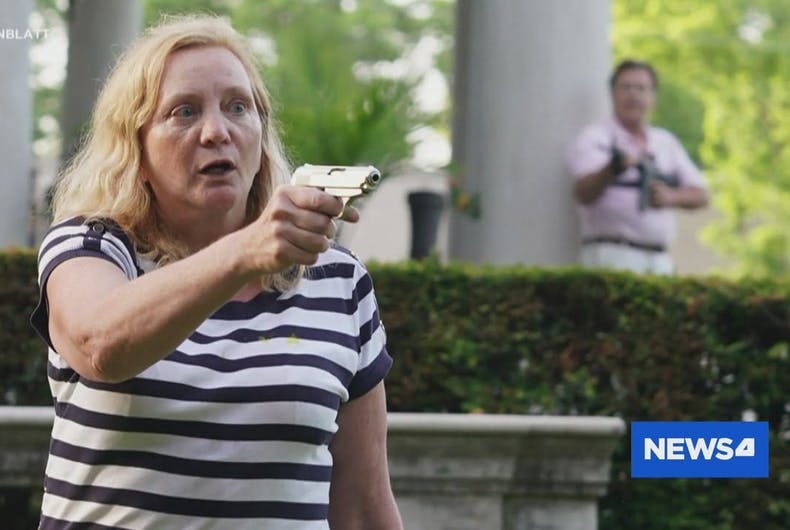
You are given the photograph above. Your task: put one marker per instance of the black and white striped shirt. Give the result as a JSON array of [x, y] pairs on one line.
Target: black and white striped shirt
[[231, 430]]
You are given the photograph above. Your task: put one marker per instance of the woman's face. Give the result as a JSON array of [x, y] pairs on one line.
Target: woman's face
[[202, 146]]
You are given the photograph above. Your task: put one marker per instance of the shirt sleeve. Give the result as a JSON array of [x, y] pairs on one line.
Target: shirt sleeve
[[75, 238], [589, 152], [374, 361]]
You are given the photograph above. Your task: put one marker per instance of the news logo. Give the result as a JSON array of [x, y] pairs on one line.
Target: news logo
[[699, 449]]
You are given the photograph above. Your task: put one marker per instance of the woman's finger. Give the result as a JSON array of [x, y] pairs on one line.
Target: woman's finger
[[350, 214], [331, 230]]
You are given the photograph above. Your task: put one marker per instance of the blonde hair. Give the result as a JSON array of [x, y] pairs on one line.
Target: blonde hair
[[102, 180]]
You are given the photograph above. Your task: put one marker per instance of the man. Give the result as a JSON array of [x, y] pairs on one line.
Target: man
[[629, 176]]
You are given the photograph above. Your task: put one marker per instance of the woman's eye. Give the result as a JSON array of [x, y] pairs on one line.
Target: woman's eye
[[184, 111], [238, 107]]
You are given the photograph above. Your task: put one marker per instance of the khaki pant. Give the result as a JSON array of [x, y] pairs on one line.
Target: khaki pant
[[622, 257]]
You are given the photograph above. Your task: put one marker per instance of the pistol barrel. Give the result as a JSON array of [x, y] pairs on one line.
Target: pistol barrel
[[354, 179]]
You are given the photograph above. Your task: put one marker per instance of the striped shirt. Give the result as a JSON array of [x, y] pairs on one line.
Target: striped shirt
[[230, 430]]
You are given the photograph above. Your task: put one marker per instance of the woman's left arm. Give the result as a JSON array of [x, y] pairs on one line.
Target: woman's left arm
[[360, 497]]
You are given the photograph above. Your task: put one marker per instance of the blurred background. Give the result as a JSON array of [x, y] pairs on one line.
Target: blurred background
[[473, 101]]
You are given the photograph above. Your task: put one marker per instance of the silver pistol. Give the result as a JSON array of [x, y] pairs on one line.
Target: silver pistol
[[345, 182]]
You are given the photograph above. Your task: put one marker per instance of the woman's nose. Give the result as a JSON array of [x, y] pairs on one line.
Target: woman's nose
[[214, 129]]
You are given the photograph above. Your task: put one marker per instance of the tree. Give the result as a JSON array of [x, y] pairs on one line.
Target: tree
[[326, 65], [725, 65], [47, 85]]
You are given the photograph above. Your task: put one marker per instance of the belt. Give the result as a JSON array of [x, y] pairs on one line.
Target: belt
[[615, 240]]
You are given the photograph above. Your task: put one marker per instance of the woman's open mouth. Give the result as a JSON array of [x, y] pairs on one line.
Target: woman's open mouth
[[217, 167]]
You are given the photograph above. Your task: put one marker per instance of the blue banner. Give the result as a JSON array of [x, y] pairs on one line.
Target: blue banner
[[699, 449]]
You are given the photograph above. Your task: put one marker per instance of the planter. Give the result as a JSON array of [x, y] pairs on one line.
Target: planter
[[426, 210], [24, 443], [500, 472], [448, 471]]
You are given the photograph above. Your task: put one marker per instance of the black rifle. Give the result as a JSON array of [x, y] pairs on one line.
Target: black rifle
[[649, 173]]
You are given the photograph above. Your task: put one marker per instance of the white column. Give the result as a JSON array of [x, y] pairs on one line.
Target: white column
[[16, 124], [99, 31], [528, 76]]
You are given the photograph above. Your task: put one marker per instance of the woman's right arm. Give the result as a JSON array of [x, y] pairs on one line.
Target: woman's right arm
[[110, 329]]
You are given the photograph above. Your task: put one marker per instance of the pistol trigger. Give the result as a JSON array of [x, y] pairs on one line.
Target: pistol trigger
[[345, 203]]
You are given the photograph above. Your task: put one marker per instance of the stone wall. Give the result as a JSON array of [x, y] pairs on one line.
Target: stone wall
[[448, 471], [508, 472]]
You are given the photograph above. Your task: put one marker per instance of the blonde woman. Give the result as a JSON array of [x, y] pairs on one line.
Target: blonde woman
[[215, 362]]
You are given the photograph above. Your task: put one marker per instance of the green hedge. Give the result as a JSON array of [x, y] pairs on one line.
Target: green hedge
[[572, 341], [560, 341], [22, 353]]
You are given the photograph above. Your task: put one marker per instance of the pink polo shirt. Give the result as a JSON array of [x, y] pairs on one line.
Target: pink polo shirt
[[616, 212]]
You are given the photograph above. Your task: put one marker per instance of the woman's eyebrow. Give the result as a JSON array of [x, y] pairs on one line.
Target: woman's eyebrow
[[189, 94], [169, 99], [238, 90]]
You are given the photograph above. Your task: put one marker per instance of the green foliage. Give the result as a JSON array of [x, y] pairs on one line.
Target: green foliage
[[730, 60], [154, 10], [680, 111], [330, 113], [22, 354], [579, 342], [46, 99]]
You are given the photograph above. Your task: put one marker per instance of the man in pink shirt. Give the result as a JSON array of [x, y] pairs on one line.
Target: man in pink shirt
[[629, 176]]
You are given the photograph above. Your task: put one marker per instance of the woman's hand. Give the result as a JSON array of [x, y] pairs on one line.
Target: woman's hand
[[296, 226]]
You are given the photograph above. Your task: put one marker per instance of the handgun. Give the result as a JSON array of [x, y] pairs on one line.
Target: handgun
[[648, 172], [345, 182]]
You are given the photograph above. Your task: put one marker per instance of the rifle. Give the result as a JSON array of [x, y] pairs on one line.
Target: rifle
[[648, 173]]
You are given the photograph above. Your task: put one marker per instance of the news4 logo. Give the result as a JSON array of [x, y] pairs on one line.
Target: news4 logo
[[699, 449]]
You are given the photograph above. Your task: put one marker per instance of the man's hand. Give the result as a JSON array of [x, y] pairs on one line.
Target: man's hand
[[620, 162], [590, 187], [662, 196]]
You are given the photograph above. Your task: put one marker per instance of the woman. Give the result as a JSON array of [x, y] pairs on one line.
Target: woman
[[215, 362]]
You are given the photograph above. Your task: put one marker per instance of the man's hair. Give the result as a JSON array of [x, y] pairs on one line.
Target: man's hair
[[103, 179], [631, 64]]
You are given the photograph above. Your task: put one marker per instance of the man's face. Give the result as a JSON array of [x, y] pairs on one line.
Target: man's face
[[634, 96]]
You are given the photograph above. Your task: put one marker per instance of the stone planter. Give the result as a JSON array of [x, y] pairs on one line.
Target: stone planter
[[24, 442], [508, 472], [449, 471]]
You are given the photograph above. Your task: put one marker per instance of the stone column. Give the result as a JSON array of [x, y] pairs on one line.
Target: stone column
[[16, 124], [528, 76], [99, 31]]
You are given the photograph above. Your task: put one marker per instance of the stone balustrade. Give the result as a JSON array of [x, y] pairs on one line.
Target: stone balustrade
[[500, 472], [24, 442], [449, 471]]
